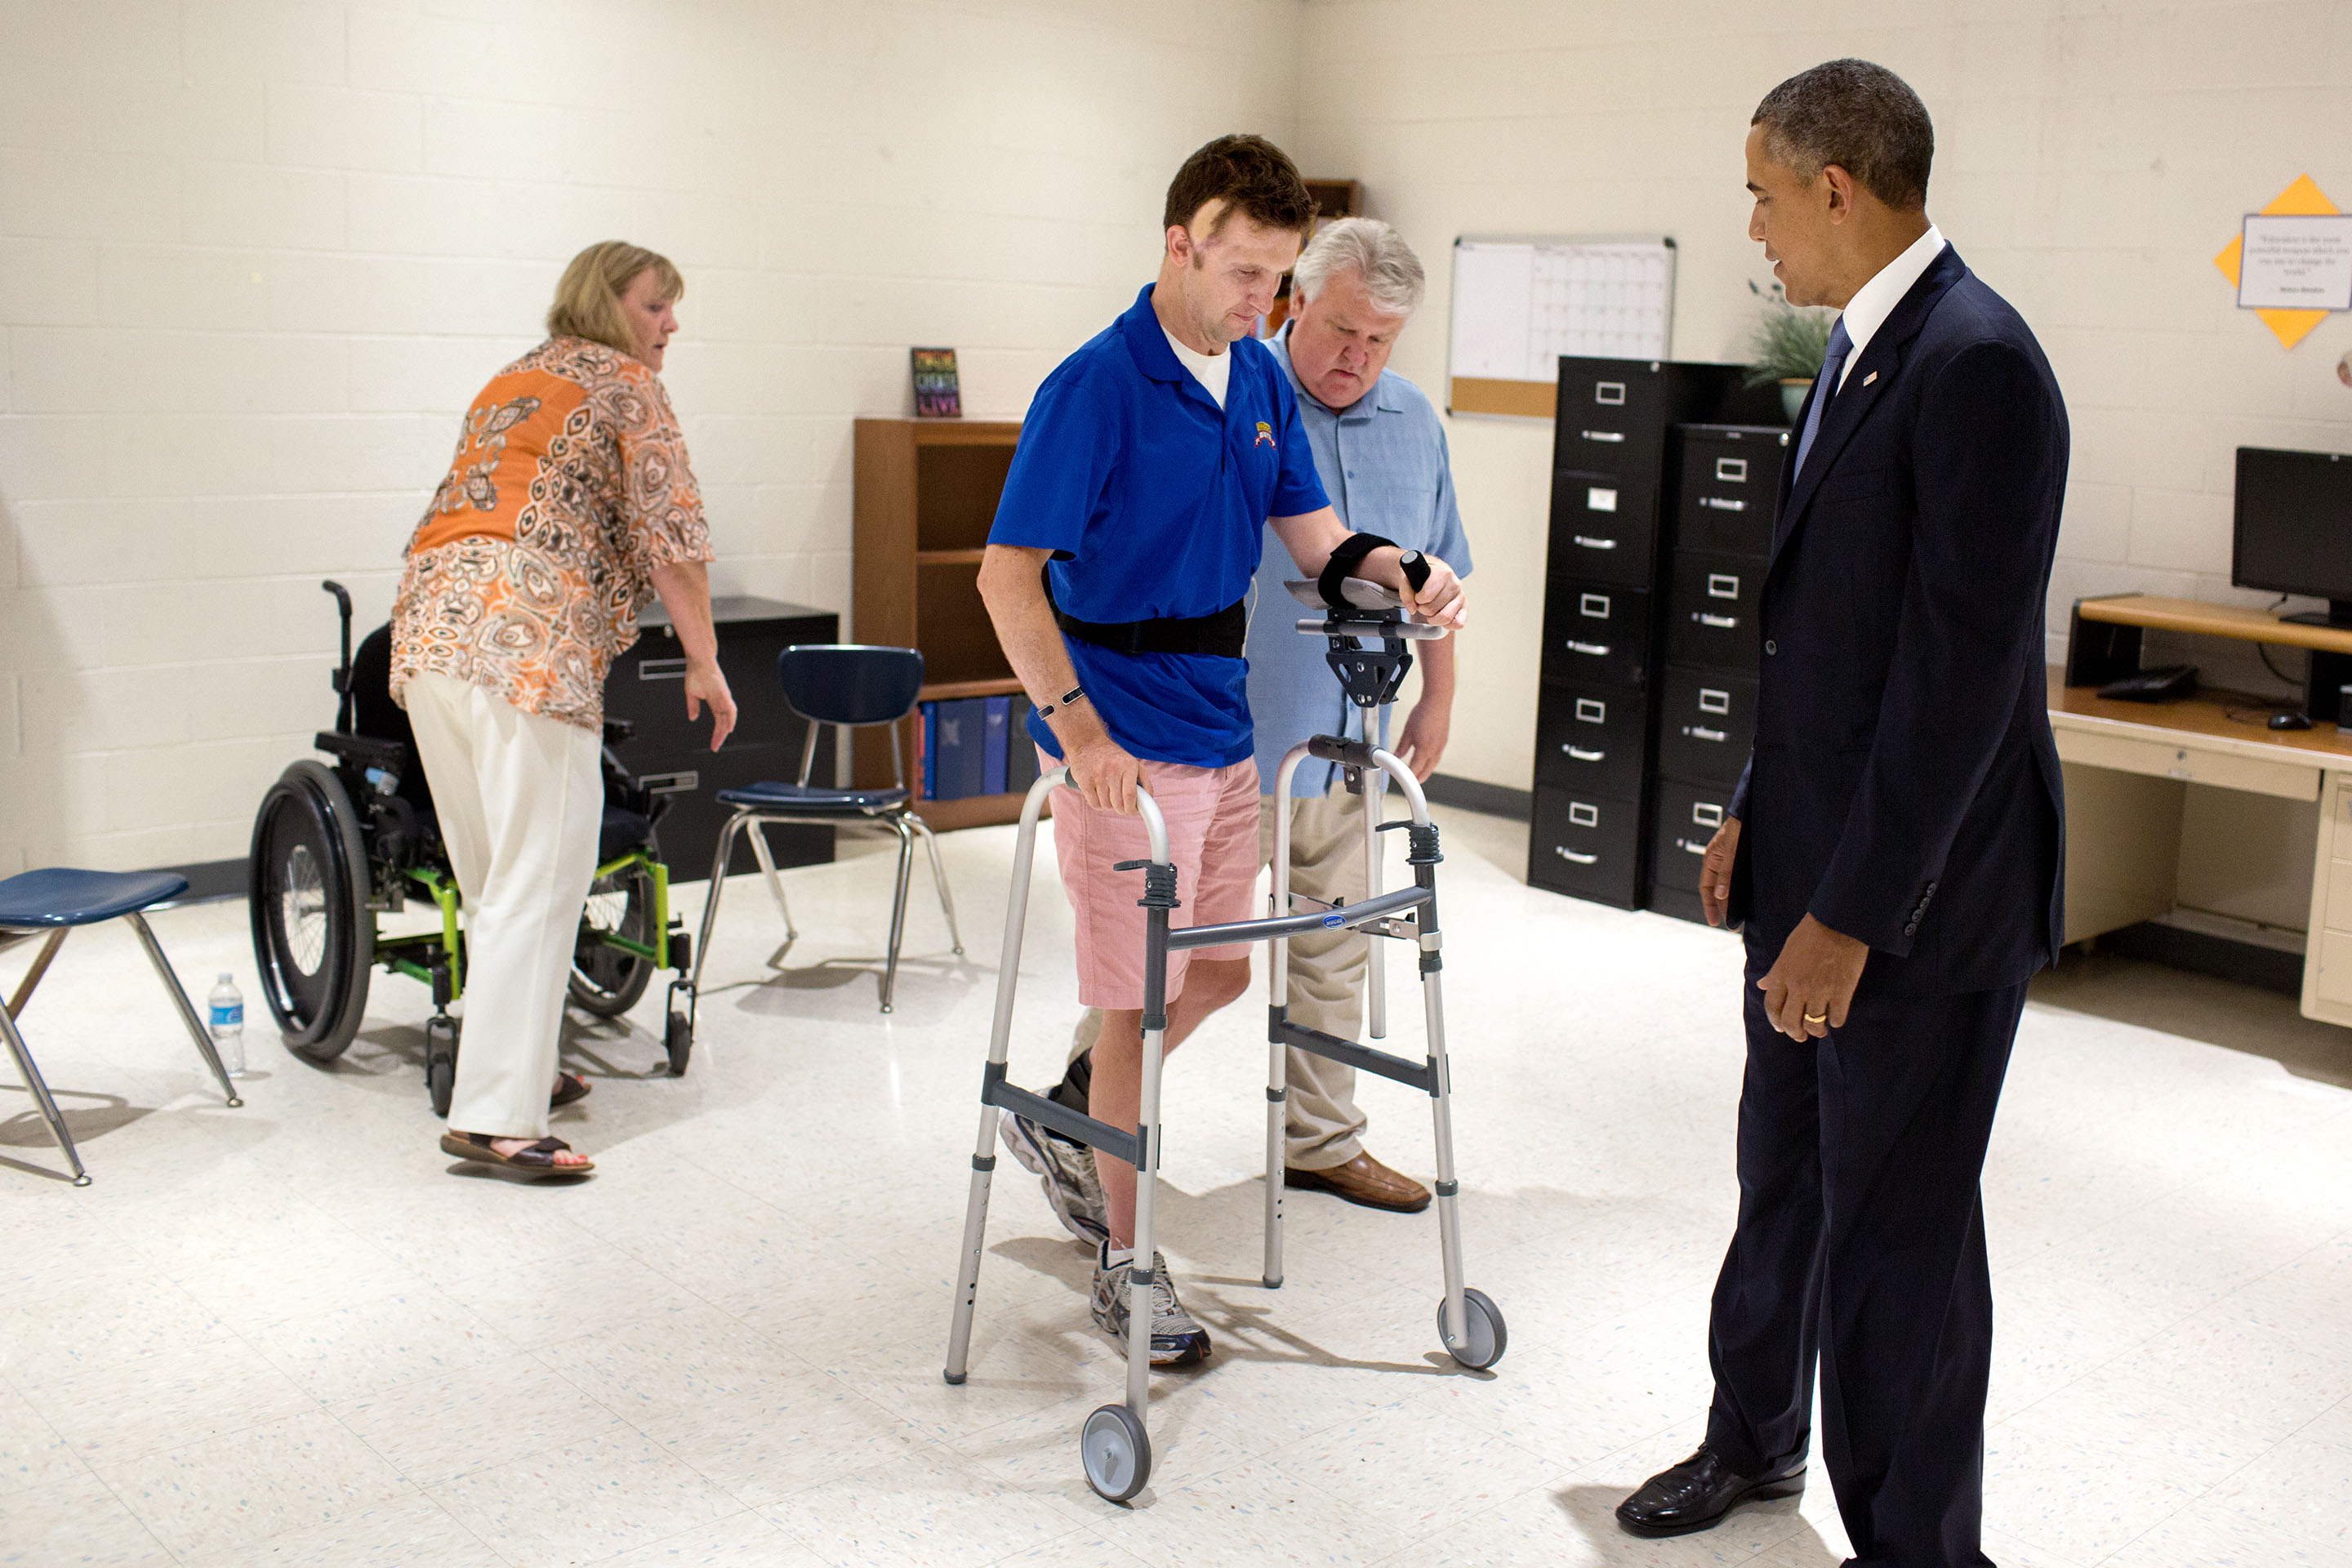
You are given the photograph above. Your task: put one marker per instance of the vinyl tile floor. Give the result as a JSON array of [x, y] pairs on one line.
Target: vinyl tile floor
[[296, 1333]]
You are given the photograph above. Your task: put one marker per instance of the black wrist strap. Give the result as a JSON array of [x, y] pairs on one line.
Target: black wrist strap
[[1344, 558]]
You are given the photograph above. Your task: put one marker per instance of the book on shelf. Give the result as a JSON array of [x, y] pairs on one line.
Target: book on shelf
[[939, 391], [999, 712], [975, 746]]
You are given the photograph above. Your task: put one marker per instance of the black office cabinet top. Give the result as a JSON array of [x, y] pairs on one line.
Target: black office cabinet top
[[646, 688], [1727, 479]]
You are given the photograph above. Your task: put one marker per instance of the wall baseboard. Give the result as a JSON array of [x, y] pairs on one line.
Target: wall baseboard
[[1473, 794], [2248, 963], [209, 882]]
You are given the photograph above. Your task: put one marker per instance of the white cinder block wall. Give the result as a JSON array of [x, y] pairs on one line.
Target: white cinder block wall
[[2091, 158], [256, 255]]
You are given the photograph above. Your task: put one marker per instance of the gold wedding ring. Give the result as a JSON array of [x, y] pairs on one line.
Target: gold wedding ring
[[1817, 1018]]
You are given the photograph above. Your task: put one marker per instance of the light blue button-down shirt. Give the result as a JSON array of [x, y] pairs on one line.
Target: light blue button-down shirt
[[1384, 464]]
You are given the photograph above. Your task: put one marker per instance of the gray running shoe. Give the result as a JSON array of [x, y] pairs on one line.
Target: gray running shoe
[[1067, 1169], [1176, 1339]]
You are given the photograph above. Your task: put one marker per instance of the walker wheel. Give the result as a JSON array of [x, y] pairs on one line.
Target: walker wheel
[[1116, 1453], [679, 1040], [440, 1062], [1487, 1337]]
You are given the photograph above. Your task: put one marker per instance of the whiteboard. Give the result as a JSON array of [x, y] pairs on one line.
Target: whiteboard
[[1519, 303]]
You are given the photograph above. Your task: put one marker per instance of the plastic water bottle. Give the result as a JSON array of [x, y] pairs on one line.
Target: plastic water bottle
[[227, 1005]]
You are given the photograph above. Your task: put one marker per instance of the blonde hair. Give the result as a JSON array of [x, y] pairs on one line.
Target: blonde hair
[[588, 299]]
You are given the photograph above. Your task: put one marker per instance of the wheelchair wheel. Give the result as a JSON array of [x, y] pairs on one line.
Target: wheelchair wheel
[[307, 887], [605, 980]]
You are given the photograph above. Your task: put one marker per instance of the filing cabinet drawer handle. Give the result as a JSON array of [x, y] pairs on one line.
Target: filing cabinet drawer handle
[[1731, 470], [1704, 733], [1585, 540], [1582, 816], [1720, 504], [1582, 755], [1713, 701], [1720, 623], [1722, 586], [1593, 606], [1707, 813], [1689, 848], [1565, 853], [1603, 435], [1611, 394], [661, 669], [1596, 649], [683, 782]]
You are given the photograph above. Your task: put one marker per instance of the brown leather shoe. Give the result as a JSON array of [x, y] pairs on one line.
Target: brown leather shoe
[[1363, 1180]]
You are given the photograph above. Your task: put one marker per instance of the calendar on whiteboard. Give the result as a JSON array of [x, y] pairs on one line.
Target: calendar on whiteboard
[[1520, 303]]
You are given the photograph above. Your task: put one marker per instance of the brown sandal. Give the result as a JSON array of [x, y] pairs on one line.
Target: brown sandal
[[569, 1087], [538, 1160]]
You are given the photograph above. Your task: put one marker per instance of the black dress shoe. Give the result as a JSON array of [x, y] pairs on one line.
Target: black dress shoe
[[1697, 1493]]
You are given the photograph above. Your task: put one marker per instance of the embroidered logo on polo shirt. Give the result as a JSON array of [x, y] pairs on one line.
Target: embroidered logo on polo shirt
[[1265, 435]]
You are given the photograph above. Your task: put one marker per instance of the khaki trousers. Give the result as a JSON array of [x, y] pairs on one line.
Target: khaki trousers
[[1324, 1124], [521, 804]]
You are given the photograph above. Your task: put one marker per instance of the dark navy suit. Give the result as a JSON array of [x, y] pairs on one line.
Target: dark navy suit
[[1904, 790]]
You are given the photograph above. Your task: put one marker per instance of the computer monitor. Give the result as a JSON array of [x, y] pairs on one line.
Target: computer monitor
[[2293, 532]]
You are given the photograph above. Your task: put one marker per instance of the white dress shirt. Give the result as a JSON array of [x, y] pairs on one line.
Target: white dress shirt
[[1875, 300]]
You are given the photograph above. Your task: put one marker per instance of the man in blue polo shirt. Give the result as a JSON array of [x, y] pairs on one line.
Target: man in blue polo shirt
[[1116, 574]]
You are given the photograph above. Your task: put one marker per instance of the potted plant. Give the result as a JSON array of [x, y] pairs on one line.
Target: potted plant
[[1787, 346]]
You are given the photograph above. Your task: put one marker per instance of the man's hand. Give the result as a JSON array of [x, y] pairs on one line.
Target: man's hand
[[1423, 741], [1810, 984], [1440, 602], [1715, 872], [705, 682], [1106, 776]]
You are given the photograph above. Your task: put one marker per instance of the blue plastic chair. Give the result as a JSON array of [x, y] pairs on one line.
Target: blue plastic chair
[[853, 685], [53, 902]]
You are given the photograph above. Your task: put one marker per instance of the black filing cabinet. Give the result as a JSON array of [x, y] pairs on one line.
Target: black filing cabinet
[[1603, 638], [673, 756], [1726, 482]]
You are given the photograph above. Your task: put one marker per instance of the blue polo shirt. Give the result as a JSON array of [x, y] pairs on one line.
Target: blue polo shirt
[[1383, 463], [1153, 501]]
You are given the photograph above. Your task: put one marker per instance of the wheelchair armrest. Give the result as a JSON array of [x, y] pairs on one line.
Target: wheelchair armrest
[[618, 731], [363, 752]]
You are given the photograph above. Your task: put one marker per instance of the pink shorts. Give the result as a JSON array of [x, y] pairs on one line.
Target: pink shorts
[[1212, 815]]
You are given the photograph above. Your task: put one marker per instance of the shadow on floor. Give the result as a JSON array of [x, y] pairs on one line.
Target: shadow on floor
[[2244, 1019]]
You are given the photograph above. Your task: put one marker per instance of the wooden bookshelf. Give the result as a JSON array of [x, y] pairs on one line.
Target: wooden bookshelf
[[2199, 619], [926, 494]]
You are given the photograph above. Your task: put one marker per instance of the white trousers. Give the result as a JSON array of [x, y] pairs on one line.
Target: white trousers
[[1324, 1125], [521, 804]]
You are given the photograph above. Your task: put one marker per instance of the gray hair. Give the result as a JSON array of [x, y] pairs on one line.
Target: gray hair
[[1374, 252], [1863, 118]]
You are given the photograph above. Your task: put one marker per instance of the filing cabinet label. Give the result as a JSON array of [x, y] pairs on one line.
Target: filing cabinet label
[[1707, 813], [1591, 711], [1722, 586], [1597, 499], [1611, 392], [1595, 605], [1731, 470], [1579, 814], [1710, 701]]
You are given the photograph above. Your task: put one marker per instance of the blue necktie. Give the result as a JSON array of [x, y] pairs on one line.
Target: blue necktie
[[1824, 388]]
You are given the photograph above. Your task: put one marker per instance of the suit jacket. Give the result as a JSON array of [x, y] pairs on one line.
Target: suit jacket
[[1904, 787]]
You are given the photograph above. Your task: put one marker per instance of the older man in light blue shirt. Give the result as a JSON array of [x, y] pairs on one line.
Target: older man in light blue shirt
[[1379, 451]]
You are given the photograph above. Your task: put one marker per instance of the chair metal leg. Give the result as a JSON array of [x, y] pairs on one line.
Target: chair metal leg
[[196, 1030], [898, 908], [758, 834], [40, 1091], [33, 976], [727, 832], [940, 876]]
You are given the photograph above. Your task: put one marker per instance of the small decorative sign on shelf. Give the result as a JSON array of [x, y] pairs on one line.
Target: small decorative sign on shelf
[[938, 393]]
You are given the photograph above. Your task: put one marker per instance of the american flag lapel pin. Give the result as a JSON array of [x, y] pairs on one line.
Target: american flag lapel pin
[[1871, 377]]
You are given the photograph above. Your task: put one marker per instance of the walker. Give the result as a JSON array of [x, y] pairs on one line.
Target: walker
[[1114, 1443]]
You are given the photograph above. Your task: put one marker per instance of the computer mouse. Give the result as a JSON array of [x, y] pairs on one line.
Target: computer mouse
[[2290, 722]]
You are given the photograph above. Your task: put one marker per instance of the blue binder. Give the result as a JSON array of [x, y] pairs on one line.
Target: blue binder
[[999, 720]]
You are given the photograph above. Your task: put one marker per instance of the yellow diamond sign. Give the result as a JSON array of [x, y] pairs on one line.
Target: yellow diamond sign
[[2301, 199]]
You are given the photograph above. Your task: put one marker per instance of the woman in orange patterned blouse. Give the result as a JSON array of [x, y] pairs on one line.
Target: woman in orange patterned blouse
[[569, 508]]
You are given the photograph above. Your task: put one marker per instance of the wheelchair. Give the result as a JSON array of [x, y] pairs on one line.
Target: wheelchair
[[336, 845]]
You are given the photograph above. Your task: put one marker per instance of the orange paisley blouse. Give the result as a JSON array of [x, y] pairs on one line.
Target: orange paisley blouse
[[570, 486]]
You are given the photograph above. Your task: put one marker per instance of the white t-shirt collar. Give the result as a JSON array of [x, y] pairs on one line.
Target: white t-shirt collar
[[1875, 300], [1213, 372]]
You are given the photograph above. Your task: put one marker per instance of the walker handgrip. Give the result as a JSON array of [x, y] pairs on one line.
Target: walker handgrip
[[1416, 568]]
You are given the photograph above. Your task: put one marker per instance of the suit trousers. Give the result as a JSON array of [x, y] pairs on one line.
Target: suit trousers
[[1324, 1126], [1861, 1236], [520, 801]]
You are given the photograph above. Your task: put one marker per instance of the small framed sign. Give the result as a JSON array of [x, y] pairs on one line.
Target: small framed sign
[[938, 393], [2296, 261]]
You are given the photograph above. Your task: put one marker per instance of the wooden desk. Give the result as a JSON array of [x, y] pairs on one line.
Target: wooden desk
[[2127, 768]]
